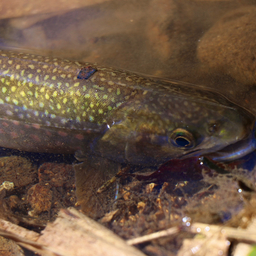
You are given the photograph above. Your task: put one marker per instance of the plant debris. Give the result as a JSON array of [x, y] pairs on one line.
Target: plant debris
[[156, 210]]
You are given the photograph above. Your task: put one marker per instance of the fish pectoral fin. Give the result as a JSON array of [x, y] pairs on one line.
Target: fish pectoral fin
[[133, 154], [118, 132], [112, 144], [90, 175]]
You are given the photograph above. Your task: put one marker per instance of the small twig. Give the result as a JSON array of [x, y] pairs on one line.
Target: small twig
[[230, 233], [159, 234], [108, 183]]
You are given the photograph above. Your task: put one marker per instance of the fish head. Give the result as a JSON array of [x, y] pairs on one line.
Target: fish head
[[175, 126]]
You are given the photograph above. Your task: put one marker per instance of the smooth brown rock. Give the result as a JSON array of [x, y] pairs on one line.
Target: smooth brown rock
[[230, 45]]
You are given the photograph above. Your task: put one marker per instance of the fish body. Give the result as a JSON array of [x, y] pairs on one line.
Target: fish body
[[61, 106]]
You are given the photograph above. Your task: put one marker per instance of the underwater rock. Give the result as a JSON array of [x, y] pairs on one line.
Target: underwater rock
[[229, 46]]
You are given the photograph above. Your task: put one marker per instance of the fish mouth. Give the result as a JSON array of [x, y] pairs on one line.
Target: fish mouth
[[235, 151], [231, 152]]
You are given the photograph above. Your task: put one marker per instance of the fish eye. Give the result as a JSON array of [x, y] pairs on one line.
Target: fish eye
[[182, 138]]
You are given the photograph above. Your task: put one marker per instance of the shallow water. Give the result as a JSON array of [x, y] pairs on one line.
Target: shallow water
[[203, 42]]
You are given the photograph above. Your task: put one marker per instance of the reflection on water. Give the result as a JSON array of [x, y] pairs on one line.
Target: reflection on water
[[203, 42]]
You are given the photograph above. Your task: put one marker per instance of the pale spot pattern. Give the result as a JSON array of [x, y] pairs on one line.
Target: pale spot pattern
[[47, 92]]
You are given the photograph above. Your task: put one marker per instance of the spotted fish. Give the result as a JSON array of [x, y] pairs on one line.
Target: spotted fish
[[61, 106]]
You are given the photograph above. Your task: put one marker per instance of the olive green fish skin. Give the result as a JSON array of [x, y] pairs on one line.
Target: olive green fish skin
[[121, 115]]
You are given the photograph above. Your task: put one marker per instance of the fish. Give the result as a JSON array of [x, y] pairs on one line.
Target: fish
[[56, 105]]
